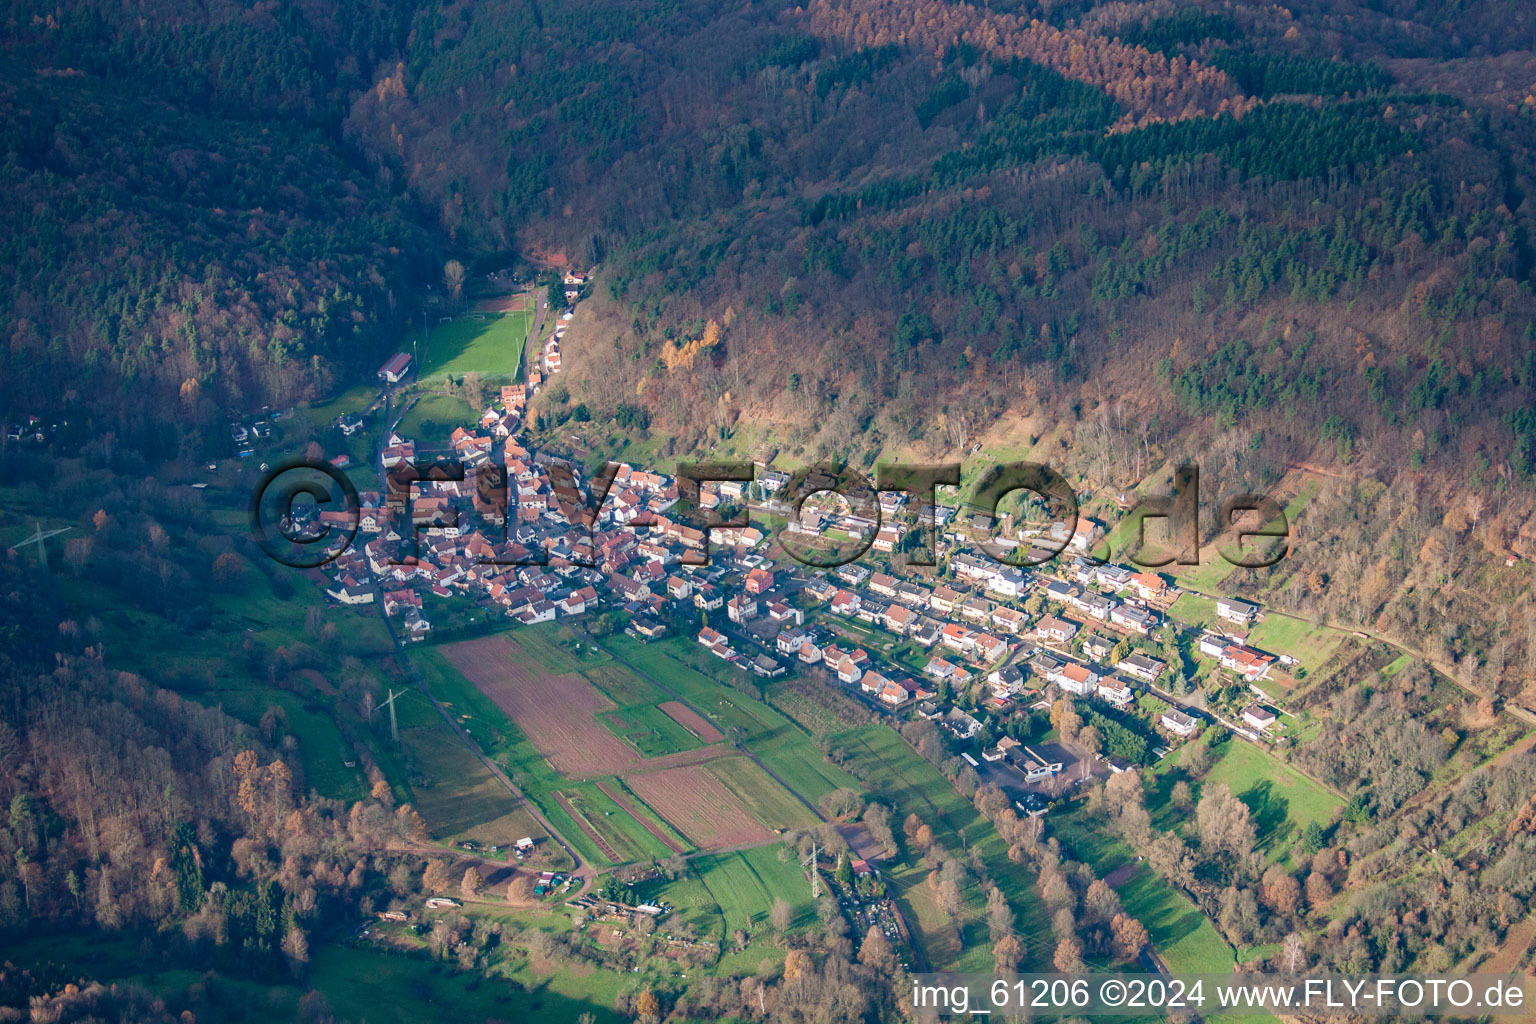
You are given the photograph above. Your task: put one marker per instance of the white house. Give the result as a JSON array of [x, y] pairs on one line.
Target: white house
[[1178, 723], [1259, 716]]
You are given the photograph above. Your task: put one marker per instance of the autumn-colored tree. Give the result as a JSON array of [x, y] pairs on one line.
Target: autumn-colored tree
[[647, 1006], [1100, 901], [1224, 821], [1123, 790], [435, 877], [453, 279], [796, 964], [1006, 953], [1000, 920], [1281, 892], [1293, 953], [296, 950], [472, 882], [1129, 936], [228, 569], [876, 950], [1069, 955], [1319, 889]]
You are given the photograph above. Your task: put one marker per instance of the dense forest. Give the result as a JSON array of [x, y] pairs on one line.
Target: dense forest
[[183, 223]]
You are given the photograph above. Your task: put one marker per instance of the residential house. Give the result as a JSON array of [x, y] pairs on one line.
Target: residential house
[[350, 593], [1140, 666], [1148, 586], [943, 600], [872, 682], [1007, 681], [1009, 620], [1085, 535], [1178, 723], [960, 725], [1116, 691], [766, 667], [987, 648], [1036, 766], [977, 610], [790, 641], [778, 611], [899, 619], [972, 568], [1246, 662], [1060, 591], [741, 609], [649, 628], [1137, 620], [1098, 647], [1259, 716], [1240, 612], [957, 637], [1009, 582], [853, 574], [720, 646], [1054, 630], [1000, 751], [1212, 645], [1077, 678]]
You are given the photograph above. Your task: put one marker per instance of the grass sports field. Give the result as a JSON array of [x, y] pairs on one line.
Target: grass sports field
[[730, 891], [490, 344]]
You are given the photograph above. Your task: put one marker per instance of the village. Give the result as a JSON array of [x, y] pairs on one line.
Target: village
[[974, 645]]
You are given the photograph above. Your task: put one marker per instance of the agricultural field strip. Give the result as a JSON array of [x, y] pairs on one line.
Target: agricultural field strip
[[624, 805], [699, 806]]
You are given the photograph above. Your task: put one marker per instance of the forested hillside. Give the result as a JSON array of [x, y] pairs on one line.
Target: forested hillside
[[1300, 233], [182, 225]]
